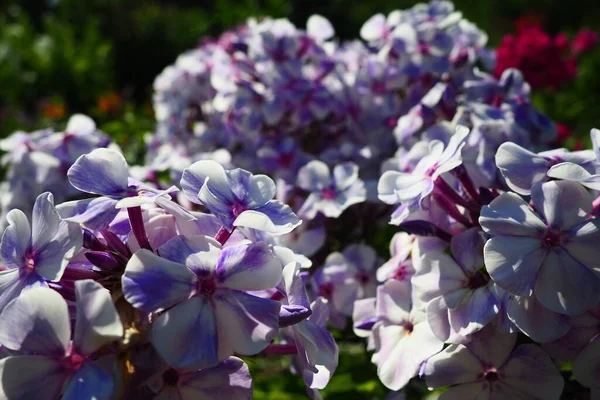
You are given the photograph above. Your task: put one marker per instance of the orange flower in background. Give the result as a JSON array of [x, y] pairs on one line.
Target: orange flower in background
[[55, 110], [110, 103]]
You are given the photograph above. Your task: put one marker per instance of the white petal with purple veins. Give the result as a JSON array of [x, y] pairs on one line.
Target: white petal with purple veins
[[199, 253], [249, 267], [564, 204], [314, 176], [152, 283], [16, 239], [102, 171], [274, 217]]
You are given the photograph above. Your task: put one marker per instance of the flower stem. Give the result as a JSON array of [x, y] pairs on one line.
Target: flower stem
[[136, 220], [280, 349], [223, 235]]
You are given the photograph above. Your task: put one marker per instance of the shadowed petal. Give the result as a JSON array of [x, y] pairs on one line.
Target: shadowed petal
[[37, 321], [186, 335], [531, 372], [535, 320], [566, 286], [89, 382], [31, 377], [199, 253], [51, 261], [97, 321], [453, 366], [274, 217], [249, 323], [229, 379], [514, 262], [586, 367], [564, 204], [45, 221]]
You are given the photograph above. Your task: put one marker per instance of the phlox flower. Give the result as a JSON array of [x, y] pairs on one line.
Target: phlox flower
[[238, 198], [199, 289], [551, 252], [488, 368], [48, 364], [37, 253]]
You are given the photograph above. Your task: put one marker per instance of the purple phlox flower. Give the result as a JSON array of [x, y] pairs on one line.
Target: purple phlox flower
[[406, 160], [584, 328], [330, 193], [586, 367], [456, 290], [522, 168], [550, 252], [510, 88], [238, 198], [319, 28], [282, 158], [36, 253], [20, 143], [377, 28], [398, 267], [316, 349], [295, 306], [487, 368], [48, 364], [410, 189], [199, 288], [105, 172], [230, 379], [80, 137], [402, 336]]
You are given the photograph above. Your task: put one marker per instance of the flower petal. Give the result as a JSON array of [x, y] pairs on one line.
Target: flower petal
[[566, 286], [564, 204], [274, 217], [453, 366], [345, 175], [89, 382], [151, 283], [51, 261], [97, 321], [199, 253], [31, 377], [520, 167], [45, 220], [186, 335], [16, 239], [95, 213], [194, 177], [509, 214], [535, 320], [249, 323], [314, 176], [586, 367], [230, 379], [514, 262], [37, 321], [103, 171], [532, 373], [249, 267]]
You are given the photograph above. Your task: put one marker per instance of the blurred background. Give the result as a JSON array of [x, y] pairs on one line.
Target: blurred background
[[100, 57]]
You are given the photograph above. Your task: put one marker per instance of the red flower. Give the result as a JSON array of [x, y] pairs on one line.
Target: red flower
[[541, 58], [585, 41]]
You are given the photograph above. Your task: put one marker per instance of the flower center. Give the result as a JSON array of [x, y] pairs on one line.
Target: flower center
[[552, 238], [238, 209], [431, 170], [170, 377], [363, 278], [478, 280], [491, 375], [408, 327], [400, 273], [207, 286], [326, 290], [328, 193]]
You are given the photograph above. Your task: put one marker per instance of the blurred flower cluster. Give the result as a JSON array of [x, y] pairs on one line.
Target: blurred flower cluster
[[545, 61], [159, 280]]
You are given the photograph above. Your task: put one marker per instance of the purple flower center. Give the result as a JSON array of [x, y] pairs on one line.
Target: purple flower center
[[552, 238], [363, 278], [491, 375], [478, 280], [408, 327], [423, 48], [207, 286], [326, 290], [73, 361], [401, 273], [328, 193], [378, 87], [285, 159], [170, 377]]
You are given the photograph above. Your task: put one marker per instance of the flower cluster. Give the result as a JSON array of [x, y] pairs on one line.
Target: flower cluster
[[136, 286], [545, 61]]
